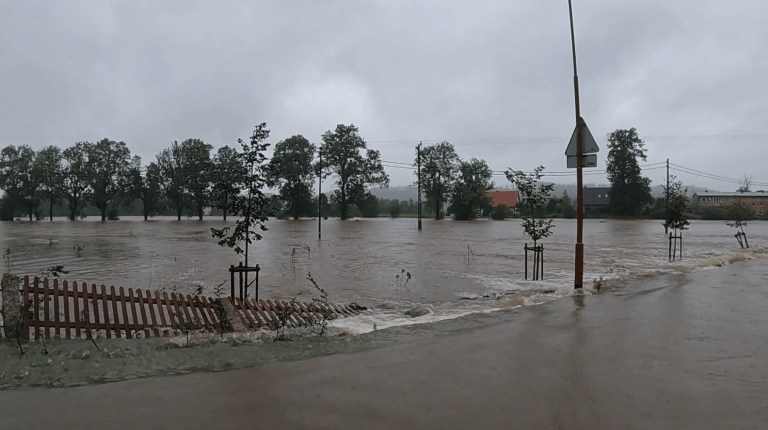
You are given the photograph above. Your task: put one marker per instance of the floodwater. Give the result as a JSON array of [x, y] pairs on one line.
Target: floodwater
[[455, 268]]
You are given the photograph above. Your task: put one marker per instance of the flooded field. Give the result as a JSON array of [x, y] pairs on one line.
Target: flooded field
[[455, 267]]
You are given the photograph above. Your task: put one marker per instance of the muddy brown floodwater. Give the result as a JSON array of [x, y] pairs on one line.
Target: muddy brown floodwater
[[456, 268]]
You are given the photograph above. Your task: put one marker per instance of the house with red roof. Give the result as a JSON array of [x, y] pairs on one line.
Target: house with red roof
[[508, 197]]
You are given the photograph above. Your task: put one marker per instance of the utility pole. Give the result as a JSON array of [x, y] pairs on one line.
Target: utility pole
[[320, 197], [579, 269], [666, 192], [418, 175], [248, 229]]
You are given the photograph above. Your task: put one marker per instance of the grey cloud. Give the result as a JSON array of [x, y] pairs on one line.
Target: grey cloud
[[152, 72]]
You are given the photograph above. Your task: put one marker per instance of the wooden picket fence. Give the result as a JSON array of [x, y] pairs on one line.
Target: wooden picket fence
[[76, 310], [257, 314]]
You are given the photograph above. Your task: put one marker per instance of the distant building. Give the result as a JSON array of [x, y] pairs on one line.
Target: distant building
[[508, 197], [597, 196], [757, 200]]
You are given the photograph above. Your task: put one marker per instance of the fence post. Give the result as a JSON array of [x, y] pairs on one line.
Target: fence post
[[670, 246], [240, 272], [257, 282], [232, 279], [542, 262], [11, 306], [526, 261]]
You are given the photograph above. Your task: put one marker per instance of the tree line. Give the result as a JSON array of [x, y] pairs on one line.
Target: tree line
[[186, 175], [190, 176]]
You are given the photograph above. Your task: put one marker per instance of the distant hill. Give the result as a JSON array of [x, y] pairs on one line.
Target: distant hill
[[400, 193]]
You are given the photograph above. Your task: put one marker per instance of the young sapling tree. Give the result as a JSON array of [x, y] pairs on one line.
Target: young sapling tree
[[224, 323], [738, 213], [252, 207], [677, 214], [535, 196]]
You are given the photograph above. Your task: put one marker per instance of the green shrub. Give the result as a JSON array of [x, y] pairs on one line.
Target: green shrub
[[713, 214], [500, 212]]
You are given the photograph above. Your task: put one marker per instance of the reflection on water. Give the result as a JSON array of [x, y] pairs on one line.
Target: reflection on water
[[358, 260]]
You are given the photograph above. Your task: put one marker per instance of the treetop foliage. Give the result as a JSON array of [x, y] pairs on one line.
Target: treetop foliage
[[534, 197], [354, 171], [439, 171], [738, 213], [291, 170], [677, 206], [469, 197], [630, 191]]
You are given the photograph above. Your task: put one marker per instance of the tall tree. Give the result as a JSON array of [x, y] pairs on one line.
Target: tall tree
[[108, 164], [50, 172], [75, 181], [630, 191], [227, 175], [146, 188], [291, 171], [469, 191], [196, 170], [439, 169], [171, 164], [354, 171], [18, 179]]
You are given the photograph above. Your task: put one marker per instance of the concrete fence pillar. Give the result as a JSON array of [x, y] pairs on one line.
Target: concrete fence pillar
[[11, 305], [232, 316]]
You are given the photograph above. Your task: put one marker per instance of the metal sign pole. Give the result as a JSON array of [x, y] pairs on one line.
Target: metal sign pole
[[579, 269], [320, 197]]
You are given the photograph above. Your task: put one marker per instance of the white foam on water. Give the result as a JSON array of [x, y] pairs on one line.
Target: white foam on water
[[377, 319], [507, 293]]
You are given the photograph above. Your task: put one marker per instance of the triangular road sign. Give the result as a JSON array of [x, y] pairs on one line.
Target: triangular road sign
[[588, 144]]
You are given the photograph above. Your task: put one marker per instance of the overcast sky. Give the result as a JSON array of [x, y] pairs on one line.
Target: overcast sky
[[494, 78]]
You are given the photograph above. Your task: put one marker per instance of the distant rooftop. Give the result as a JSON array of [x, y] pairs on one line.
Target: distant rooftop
[[508, 197], [760, 193]]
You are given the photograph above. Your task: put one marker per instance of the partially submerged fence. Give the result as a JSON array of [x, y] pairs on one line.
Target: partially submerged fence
[[77, 310], [257, 314], [73, 310]]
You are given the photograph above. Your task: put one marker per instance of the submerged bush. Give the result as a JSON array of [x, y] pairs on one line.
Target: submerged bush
[[713, 214], [500, 212]]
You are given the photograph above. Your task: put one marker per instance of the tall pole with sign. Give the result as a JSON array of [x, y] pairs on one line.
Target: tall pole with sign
[[320, 197], [579, 153]]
